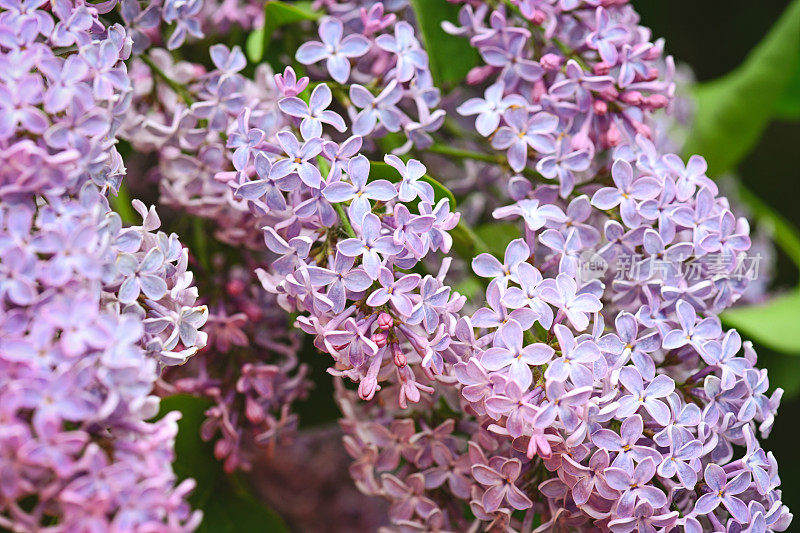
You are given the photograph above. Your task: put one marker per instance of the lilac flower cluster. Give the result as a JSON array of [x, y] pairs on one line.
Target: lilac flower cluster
[[148, 22], [392, 88], [557, 398], [88, 314], [630, 420], [337, 238], [568, 81], [344, 246], [638, 425], [249, 371], [63, 89], [188, 131]]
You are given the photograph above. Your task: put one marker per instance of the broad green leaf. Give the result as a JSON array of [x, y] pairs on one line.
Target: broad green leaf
[[194, 458], [231, 512], [469, 287], [450, 57], [497, 235], [466, 244], [775, 324], [200, 242], [783, 232], [788, 107], [380, 170], [226, 504], [733, 111], [121, 203], [276, 14]]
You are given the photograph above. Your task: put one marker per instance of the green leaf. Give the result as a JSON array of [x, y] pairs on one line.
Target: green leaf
[[276, 14], [788, 107], [226, 504], [194, 458], [200, 242], [450, 57], [733, 111], [229, 512], [784, 233], [380, 170], [466, 244], [497, 235], [121, 203], [773, 324]]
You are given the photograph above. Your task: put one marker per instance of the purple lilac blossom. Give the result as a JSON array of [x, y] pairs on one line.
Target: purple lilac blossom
[[588, 431]]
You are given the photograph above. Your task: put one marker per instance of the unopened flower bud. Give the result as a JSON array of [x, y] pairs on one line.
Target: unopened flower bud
[[551, 61], [609, 93], [613, 136], [235, 287], [479, 74], [399, 357], [656, 101], [538, 17], [380, 338], [601, 69], [631, 97], [600, 107], [385, 321]]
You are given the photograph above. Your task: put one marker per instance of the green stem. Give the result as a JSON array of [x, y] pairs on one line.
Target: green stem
[[344, 220], [461, 153], [179, 88], [464, 154], [466, 243]]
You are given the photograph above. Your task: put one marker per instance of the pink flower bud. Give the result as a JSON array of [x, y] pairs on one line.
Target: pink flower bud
[[600, 107], [385, 321], [601, 69], [609, 94], [538, 17], [644, 130], [479, 74], [379, 338], [235, 287], [399, 357], [551, 61], [539, 89], [657, 101], [631, 97], [613, 136], [367, 388]]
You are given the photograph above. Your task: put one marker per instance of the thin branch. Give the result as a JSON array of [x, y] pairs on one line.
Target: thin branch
[[496, 159], [179, 88]]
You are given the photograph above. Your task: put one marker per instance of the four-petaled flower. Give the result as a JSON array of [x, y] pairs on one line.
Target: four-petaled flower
[[315, 113], [723, 491], [336, 50], [394, 291], [501, 483], [359, 191], [509, 352], [648, 397], [370, 245], [523, 131]]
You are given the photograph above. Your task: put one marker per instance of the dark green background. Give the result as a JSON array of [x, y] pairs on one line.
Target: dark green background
[[713, 37]]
